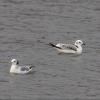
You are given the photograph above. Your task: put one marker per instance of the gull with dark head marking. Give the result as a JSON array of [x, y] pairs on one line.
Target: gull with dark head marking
[[75, 48], [15, 68]]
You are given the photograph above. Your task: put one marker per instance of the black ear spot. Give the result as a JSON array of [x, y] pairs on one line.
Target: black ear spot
[[17, 62]]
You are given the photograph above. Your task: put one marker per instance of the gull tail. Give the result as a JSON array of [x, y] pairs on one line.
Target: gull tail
[[53, 45], [31, 67]]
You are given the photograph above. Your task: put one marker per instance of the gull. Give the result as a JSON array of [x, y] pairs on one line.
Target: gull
[[75, 48], [15, 68]]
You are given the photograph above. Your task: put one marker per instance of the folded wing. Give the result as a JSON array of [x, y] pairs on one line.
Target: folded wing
[[67, 46], [25, 68]]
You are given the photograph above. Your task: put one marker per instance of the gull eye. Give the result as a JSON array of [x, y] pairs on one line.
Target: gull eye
[[14, 61], [79, 42]]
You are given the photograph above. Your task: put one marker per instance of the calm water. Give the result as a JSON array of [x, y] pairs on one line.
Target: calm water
[[27, 26]]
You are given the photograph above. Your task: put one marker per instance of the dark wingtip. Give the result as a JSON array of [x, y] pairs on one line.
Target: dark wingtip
[[51, 44], [31, 67]]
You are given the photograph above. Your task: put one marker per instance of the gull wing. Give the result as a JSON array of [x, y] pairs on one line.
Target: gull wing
[[26, 68], [69, 46]]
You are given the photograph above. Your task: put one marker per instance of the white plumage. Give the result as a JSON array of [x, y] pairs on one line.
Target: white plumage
[[69, 48], [15, 68]]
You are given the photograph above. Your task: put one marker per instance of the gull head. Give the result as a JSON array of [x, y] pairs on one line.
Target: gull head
[[79, 42], [15, 61]]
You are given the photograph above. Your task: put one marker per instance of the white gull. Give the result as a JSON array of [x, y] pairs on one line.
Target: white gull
[[75, 48], [15, 68]]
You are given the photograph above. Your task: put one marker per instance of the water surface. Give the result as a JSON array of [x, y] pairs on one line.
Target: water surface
[[26, 28]]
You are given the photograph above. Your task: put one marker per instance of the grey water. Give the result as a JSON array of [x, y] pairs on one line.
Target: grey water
[[26, 28]]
